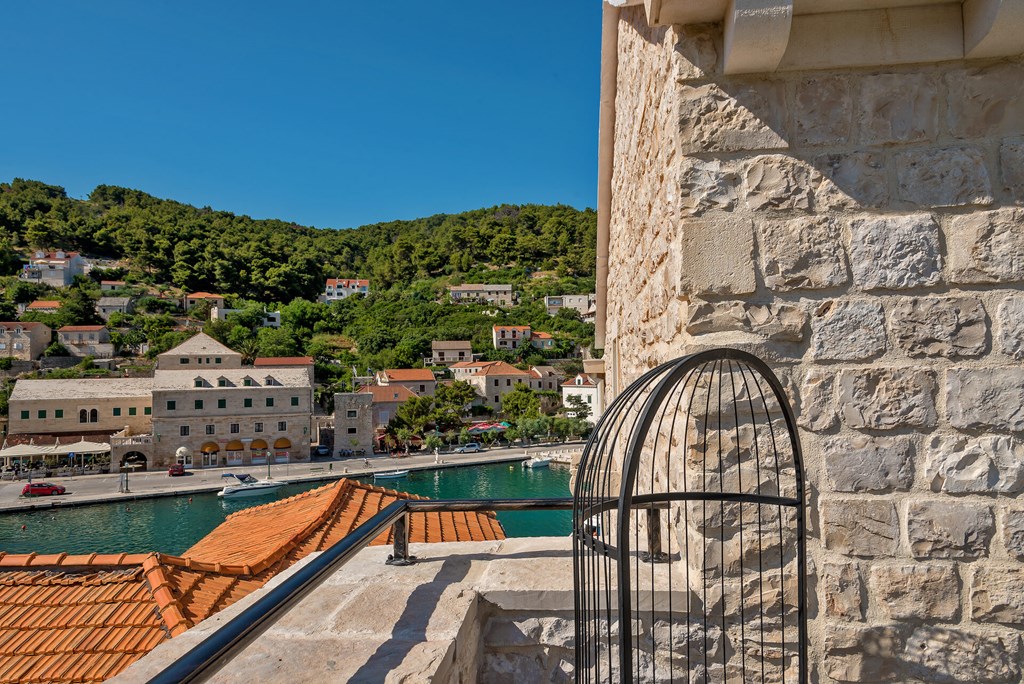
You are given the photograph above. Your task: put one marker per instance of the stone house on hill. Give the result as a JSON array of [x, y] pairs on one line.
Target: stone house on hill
[[106, 306], [86, 340], [837, 188], [23, 340], [418, 380]]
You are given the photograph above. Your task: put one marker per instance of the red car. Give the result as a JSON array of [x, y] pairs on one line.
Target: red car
[[176, 469], [41, 489]]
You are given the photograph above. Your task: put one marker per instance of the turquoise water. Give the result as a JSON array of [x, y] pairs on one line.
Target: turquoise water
[[172, 524]]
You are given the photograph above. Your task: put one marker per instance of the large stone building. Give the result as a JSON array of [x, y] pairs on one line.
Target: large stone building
[[199, 351], [23, 340], [837, 188], [354, 426], [99, 406]]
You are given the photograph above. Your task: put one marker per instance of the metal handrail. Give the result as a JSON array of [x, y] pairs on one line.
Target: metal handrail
[[205, 658]]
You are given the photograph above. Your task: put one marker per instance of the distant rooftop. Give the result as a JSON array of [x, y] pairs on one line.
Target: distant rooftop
[[200, 344], [167, 380], [83, 388], [470, 287], [271, 361]]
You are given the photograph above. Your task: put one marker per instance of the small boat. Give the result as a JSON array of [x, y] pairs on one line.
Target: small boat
[[246, 485], [537, 462], [391, 475]]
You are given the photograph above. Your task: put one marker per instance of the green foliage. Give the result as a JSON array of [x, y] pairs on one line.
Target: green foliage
[[6, 363], [522, 402], [6, 387], [414, 414], [56, 349], [579, 408], [10, 260]]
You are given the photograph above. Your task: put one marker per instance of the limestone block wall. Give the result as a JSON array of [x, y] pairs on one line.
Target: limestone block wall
[[863, 231]]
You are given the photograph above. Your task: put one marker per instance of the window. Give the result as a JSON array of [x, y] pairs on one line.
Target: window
[[216, 359], [199, 404], [247, 402], [351, 431], [270, 401], [211, 429], [199, 382], [495, 383], [234, 428], [183, 430], [94, 416], [508, 382], [247, 382], [183, 361], [147, 411], [258, 427], [83, 416], [295, 401], [171, 405], [25, 415], [590, 399], [58, 413], [221, 382], [117, 411], [423, 388], [282, 426], [41, 414], [222, 403], [352, 413], [132, 410]]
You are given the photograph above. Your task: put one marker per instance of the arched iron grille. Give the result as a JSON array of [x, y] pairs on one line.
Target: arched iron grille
[[688, 530]]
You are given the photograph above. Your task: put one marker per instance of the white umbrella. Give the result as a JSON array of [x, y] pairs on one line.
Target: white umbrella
[[82, 447]]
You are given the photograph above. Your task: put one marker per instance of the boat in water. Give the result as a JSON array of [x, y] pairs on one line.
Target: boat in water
[[537, 462], [391, 475], [246, 485]]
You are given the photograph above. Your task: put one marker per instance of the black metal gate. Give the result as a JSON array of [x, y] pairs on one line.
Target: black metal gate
[[688, 530]]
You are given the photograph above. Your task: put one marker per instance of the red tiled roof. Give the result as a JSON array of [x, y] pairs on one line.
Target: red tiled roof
[[409, 374], [112, 282], [284, 361], [388, 395], [24, 325], [44, 304], [587, 382], [541, 335], [348, 282], [511, 327], [86, 618], [81, 328], [203, 295], [471, 364], [501, 368]]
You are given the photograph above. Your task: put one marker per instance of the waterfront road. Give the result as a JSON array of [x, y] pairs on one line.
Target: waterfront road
[[82, 489]]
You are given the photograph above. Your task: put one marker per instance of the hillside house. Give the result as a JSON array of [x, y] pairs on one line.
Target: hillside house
[[385, 401], [106, 306], [86, 340], [493, 380], [112, 285], [23, 340], [545, 378], [510, 337], [584, 304], [542, 340], [190, 301], [444, 353], [44, 306], [57, 269], [419, 380], [584, 387], [501, 295], [337, 289], [271, 319]]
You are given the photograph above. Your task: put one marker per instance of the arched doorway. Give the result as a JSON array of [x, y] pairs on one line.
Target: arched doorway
[[282, 447], [235, 452], [259, 451], [210, 451], [136, 459]]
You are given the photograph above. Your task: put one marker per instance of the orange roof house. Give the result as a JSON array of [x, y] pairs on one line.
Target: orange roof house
[[85, 618], [43, 305], [408, 375]]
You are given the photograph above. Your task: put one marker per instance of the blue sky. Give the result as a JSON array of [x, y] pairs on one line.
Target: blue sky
[[332, 114]]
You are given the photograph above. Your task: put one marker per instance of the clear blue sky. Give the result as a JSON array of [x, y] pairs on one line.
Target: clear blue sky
[[332, 114]]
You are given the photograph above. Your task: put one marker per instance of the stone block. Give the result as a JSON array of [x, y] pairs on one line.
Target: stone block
[[848, 330], [938, 655], [916, 591], [512, 668], [1011, 167], [717, 258], [887, 398], [1013, 532], [707, 186], [696, 52], [823, 111], [985, 101], [898, 108], [850, 181], [997, 595], [949, 529], [841, 591], [869, 464], [747, 116], [982, 465], [778, 322], [778, 182], [860, 528], [1011, 326], [986, 247], [949, 327], [817, 401], [863, 654], [985, 398], [803, 254], [895, 253], [950, 177]]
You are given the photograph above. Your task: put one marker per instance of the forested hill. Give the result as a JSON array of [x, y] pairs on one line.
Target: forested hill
[[275, 261]]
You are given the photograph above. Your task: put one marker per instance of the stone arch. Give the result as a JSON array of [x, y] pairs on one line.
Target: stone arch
[[137, 458]]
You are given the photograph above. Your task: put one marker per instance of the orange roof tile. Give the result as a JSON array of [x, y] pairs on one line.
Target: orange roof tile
[[203, 295], [388, 395], [81, 328], [409, 374], [501, 368], [541, 335], [44, 304], [85, 618], [511, 327], [348, 282]]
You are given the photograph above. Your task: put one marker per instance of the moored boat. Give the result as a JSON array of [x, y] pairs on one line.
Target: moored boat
[[390, 475], [537, 462], [246, 485]]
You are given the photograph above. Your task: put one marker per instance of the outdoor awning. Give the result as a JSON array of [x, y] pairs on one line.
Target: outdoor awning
[[82, 447], [23, 450]]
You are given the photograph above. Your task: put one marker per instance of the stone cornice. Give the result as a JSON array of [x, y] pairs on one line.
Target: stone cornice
[[785, 35]]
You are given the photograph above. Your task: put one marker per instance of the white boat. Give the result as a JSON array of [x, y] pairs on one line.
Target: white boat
[[391, 475], [246, 485], [536, 462]]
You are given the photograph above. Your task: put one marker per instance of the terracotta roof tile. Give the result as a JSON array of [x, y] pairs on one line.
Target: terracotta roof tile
[[409, 375]]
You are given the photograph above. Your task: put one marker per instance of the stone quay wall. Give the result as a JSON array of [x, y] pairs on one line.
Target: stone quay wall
[[861, 230]]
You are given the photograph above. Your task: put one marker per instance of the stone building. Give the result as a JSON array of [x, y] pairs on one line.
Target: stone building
[[510, 337], [353, 421], [502, 295], [842, 193], [100, 406], [584, 388], [23, 340], [448, 352], [384, 400], [418, 380], [86, 340], [106, 306], [199, 351], [584, 304]]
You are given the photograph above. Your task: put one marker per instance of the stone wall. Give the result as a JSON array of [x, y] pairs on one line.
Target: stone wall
[[861, 231]]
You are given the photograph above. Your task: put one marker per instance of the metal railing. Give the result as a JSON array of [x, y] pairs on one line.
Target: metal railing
[[205, 658]]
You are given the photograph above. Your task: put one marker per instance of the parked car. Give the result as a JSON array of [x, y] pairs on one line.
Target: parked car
[[322, 450], [470, 448], [176, 469], [41, 489]]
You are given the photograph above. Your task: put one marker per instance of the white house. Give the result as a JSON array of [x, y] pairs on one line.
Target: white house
[[584, 387]]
